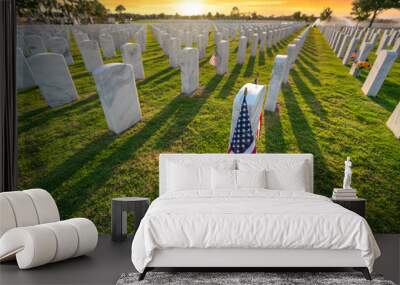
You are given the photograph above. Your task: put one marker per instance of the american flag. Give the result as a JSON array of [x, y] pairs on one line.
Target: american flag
[[214, 59], [243, 139]]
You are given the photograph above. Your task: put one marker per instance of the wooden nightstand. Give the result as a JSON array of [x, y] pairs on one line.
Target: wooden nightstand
[[355, 205]]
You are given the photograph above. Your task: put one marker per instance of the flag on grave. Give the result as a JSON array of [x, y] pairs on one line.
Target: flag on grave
[[243, 140], [213, 60]]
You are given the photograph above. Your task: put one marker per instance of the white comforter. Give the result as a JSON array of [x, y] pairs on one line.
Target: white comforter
[[250, 219]]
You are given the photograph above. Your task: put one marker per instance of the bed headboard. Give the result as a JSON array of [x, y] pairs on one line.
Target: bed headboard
[[210, 158]]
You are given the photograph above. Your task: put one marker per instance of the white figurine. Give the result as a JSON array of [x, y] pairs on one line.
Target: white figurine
[[347, 174]]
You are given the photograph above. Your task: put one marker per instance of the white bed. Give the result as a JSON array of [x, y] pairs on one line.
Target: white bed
[[250, 227]]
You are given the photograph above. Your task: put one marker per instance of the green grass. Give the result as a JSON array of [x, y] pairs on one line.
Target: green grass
[[70, 151]]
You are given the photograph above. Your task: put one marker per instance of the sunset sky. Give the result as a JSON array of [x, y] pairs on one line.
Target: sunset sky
[[264, 7]]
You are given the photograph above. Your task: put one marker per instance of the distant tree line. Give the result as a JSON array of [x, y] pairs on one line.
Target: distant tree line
[[234, 15], [92, 11]]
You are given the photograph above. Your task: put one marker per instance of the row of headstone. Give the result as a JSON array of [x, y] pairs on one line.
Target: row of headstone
[[281, 70], [361, 42], [115, 83], [348, 42]]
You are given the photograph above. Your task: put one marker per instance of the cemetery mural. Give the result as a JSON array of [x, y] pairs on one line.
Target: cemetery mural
[[101, 96]]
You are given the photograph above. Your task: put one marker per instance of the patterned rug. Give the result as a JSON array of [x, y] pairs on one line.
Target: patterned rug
[[243, 278]]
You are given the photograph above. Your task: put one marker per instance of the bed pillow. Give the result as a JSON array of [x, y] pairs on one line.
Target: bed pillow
[[281, 175], [223, 179], [251, 178], [185, 178]]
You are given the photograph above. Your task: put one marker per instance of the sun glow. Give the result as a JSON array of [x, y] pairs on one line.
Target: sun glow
[[190, 7]]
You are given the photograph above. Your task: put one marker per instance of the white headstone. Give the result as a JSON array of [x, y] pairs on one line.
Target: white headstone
[[222, 57], [91, 55], [291, 53], [201, 45], [34, 44], [188, 39], [263, 41], [24, 76], [275, 83], [131, 54], [189, 65], [80, 37], [60, 45], [394, 121], [351, 49], [344, 46], [174, 52], [383, 42], [365, 49], [396, 47], [116, 87], [51, 74], [242, 49], [382, 65], [107, 45], [254, 44]]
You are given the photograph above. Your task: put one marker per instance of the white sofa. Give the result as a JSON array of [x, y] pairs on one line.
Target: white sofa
[[31, 231]]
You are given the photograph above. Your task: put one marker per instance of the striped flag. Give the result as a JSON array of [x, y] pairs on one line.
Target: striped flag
[[213, 60], [243, 140]]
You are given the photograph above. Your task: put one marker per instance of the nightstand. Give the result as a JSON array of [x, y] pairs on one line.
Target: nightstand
[[120, 206], [355, 205]]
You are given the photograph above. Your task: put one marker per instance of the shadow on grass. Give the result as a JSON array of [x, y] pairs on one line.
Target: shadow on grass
[[308, 62], [309, 96], [230, 82], [261, 57], [310, 77], [250, 67], [69, 167], [307, 142], [274, 138], [167, 76], [184, 109], [388, 96], [155, 75], [154, 58], [30, 122]]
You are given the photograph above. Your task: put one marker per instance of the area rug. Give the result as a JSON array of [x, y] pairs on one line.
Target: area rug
[[244, 278]]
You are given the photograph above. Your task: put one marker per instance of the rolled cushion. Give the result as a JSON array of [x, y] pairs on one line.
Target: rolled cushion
[[33, 246], [87, 235], [66, 238], [45, 205], [23, 208], [7, 218], [37, 245]]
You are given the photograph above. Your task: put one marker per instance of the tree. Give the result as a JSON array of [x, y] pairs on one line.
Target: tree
[[120, 9], [358, 14], [297, 16], [235, 12], [362, 8], [326, 14]]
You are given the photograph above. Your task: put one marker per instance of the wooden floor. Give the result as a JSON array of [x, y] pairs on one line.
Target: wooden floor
[[110, 260]]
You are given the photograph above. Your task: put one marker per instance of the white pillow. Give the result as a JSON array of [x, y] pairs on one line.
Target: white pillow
[[281, 175], [291, 179], [223, 179], [186, 178], [251, 178]]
